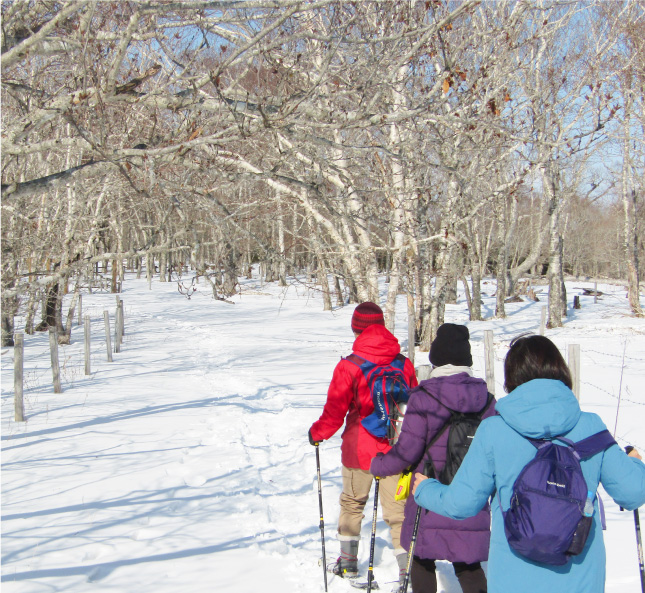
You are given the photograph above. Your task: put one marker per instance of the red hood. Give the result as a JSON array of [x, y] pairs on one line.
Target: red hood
[[377, 344]]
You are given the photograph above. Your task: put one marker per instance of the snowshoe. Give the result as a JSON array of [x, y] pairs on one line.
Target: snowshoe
[[363, 584], [343, 569]]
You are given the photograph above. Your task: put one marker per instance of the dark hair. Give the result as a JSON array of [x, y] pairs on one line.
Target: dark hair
[[534, 357]]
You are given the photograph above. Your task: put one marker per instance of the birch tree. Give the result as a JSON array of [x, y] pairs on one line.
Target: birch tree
[[216, 133]]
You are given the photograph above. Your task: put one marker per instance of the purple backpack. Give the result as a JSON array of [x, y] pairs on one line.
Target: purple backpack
[[551, 506]]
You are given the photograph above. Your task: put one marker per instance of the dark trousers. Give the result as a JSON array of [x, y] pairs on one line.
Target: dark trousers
[[423, 576]]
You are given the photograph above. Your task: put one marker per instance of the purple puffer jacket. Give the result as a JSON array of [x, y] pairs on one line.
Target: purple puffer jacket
[[438, 538]]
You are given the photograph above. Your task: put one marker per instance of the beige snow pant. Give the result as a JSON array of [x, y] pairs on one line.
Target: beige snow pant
[[357, 484]]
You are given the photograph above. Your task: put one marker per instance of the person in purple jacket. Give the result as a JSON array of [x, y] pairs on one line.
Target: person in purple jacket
[[464, 543]]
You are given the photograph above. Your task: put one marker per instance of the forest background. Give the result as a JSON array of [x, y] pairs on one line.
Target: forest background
[[433, 141]]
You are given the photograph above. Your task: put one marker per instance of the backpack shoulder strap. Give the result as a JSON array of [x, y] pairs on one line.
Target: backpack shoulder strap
[[430, 464], [596, 443], [358, 361], [583, 449], [489, 401], [537, 443], [355, 358], [438, 401], [429, 469]]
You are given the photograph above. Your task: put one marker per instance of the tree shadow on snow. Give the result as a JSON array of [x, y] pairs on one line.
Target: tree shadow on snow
[[97, 572], [125, 415]]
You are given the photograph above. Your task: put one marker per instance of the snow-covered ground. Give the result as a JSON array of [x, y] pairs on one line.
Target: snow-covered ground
[[184, 465]]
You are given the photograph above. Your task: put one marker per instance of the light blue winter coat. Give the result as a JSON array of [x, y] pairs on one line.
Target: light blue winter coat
[[540, 408]]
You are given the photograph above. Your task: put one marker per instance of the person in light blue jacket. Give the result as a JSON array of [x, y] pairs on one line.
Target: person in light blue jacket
[[539, 405]]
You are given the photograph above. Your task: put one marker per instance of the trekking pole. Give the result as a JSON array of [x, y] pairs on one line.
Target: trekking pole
[[322, 521], [370, 570], [413, 541], [639, 541]]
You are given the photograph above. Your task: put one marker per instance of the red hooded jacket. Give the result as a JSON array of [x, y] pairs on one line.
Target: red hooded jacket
[[349, 399]]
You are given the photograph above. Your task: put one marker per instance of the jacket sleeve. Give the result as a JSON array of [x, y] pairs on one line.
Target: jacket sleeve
[[623, 478], [339, 398], [471, 487], [410, 446]]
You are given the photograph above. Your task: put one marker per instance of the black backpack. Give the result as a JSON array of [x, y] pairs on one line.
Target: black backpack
[[461, 427]]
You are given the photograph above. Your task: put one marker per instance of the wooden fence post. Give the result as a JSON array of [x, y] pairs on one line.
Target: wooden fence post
[[595, 293], [543, 321], [87, 345], [423, 372], [80, 308], [18, 357], [122, 319], [489, 359], [117, 330], [574, 367], [53, 348], [108, 340]]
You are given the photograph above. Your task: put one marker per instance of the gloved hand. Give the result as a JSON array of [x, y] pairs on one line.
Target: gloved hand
[[311, 440], [632, 452]]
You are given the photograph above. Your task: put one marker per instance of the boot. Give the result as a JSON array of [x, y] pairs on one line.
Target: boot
[[347, 564], [402, 561]]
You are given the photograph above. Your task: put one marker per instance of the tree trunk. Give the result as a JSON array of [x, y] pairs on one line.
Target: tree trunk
[[555, 274], [500, 275], [321, 269], [339, 291], [163, 262], [630, 235], [282, 264], [229, 281], [32, 304], [114, 276], [324, 284], [50, 309], [475, 304], [393, 289], [7, 325], [65, 337], [438, 299]]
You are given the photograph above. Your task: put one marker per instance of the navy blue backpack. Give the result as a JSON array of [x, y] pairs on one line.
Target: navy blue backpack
[[551, 508], [389, 389]]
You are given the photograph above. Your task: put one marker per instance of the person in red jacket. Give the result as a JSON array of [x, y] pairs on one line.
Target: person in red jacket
[[349, 401]]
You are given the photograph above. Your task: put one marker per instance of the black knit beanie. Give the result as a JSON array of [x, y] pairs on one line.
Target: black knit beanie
[[451, 346]]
